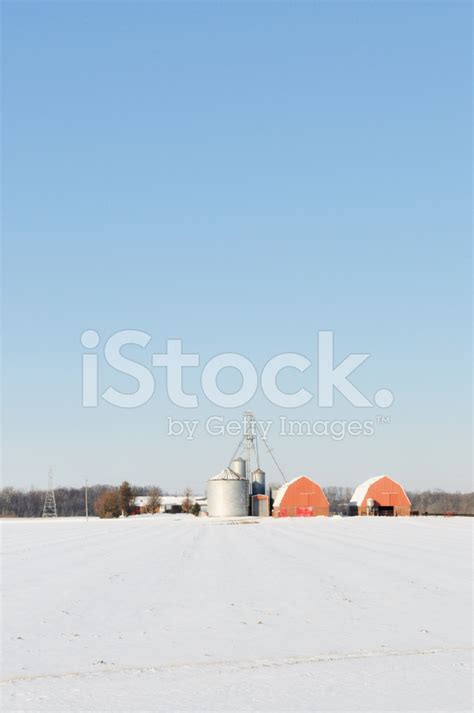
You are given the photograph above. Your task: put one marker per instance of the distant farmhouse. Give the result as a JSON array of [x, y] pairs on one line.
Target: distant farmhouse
[[168, 503]]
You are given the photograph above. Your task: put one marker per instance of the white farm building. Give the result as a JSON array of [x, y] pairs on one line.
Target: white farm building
[[168, 503]]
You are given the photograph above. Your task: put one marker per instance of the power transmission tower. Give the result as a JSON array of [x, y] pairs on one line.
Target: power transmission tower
[[49, 509]]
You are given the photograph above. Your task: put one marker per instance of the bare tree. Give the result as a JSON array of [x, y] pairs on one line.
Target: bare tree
[[338, 497], [154, 501], [109, 504], [188, 502]]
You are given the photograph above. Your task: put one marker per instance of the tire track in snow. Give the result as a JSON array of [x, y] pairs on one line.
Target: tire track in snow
[[239, 664]]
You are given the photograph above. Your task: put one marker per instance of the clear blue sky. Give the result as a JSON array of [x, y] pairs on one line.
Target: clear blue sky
[[238, 175]]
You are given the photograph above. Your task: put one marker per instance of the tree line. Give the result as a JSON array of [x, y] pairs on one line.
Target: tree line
[[437, 502], [112, 501], [338, 498], [103, 500]]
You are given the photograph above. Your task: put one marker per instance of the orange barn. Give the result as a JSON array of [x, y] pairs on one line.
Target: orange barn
[[301, 497], [379, 496]]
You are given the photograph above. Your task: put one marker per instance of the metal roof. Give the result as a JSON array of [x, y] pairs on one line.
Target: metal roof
[[361, 491], [142, 500], [282, 490], [228, 474]]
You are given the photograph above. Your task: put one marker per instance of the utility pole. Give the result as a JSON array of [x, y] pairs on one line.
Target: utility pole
[[87, 504]]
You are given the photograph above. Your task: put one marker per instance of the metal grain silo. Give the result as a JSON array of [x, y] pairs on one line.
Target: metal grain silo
[[258, 482], [239, 466], [228, 495]]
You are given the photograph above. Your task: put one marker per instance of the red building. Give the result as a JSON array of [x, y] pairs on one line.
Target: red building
[[301, 497], [380, 496]]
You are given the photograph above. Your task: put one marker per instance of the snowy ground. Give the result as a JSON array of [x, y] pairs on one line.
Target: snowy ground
[[176, 613]]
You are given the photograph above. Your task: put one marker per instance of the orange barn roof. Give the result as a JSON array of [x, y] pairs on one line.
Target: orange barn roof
[[383, 490], [301, 491]]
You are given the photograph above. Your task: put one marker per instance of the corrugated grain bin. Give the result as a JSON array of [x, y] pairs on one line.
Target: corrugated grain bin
[[228, 495], [239, 466], [258, 482]]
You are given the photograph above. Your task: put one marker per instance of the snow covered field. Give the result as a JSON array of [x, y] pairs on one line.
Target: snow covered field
[[176, 613]]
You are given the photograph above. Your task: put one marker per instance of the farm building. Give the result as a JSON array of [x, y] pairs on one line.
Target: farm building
[[379, 496], [260, 505], [168, 503], [301, 497]]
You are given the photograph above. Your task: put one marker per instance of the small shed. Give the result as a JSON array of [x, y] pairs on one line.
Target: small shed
[[260, 505], [379, 496], [301, 497]]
